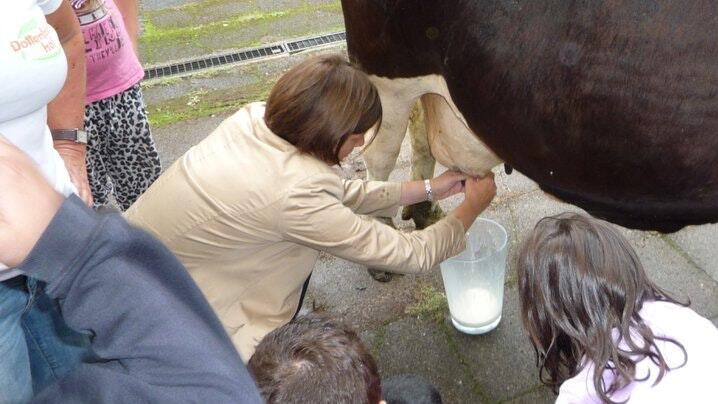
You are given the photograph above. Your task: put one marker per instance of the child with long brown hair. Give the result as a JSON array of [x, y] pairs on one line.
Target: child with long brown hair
[[602, 331]]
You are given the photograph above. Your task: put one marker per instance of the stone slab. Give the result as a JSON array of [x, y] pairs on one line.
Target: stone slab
[[420, 347], [174, 140], [502, 361], [701, 245]]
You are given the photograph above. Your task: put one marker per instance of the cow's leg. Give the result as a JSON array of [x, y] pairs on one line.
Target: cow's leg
[[449, 138], [380, 156], [397, 99], [424, 214]]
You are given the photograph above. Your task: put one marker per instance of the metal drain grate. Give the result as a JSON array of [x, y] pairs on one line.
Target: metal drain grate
[[250, 54], [213, 61], [302, 44]]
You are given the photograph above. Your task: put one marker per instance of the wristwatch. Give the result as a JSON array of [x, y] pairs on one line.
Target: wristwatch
[[75, 135]]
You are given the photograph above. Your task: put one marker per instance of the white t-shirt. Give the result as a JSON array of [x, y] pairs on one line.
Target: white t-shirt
[[692, 383], [32, 72]]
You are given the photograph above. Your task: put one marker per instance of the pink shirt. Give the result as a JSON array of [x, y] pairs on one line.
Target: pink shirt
[[112, 65], [693, 383]]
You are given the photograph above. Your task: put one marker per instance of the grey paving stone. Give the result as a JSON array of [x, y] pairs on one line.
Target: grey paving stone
[[347, 289], [420, 347], [675, 274], [174, 140], [701, 244], [503, 359], [514, 184]]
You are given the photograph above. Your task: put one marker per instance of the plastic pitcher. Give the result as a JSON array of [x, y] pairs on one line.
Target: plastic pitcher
[[474, 279]]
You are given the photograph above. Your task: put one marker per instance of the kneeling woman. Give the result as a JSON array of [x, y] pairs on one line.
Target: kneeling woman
[[248, 209]]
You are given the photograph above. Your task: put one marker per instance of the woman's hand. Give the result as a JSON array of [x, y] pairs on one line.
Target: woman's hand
[[27, 204], [479, 192], [73, 154], [447, 184]]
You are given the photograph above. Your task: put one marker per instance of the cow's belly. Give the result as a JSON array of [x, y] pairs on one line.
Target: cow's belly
[[450, 140]]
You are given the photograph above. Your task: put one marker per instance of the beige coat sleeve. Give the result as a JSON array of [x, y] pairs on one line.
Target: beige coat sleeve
[[313, 215], [375, 198]]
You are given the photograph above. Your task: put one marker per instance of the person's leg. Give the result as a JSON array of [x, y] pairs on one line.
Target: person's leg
[[54, 348], [15, 376], [133, 162], [97, 133]]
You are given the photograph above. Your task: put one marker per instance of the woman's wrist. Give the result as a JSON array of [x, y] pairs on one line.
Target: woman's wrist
[[413, 192], [428, 190], [466, 213]]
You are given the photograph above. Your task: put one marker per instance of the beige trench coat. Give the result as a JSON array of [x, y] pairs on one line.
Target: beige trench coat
[[247, 214]]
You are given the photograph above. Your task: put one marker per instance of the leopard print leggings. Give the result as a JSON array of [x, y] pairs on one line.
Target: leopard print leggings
[[122, 159]]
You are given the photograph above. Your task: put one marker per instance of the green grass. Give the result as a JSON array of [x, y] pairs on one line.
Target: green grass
[[199, 104], [161, 82], [194, 9], [430, 304], [378, 343], [154, 34]]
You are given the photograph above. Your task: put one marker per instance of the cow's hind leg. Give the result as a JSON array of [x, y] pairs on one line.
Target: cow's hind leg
[[424, 214], [397, 99]]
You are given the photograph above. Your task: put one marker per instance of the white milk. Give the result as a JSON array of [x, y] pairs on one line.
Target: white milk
[[475, 306]]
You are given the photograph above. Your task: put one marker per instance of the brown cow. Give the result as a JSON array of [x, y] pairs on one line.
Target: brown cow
[[612, 106]]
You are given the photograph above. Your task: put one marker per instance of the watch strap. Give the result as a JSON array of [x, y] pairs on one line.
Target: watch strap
[[75, 135]]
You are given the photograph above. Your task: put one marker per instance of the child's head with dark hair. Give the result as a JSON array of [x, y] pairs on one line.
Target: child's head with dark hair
[[581, 287], [315, 359]]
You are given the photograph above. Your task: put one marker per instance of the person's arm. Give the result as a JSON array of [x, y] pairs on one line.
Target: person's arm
[[155, 336], [67, 109], [313, 215], [378, 198], [443, 186], [130, 16], [478, 194], [374, 198]]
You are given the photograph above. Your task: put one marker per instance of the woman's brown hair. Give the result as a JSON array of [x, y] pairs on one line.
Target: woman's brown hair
[[321, 101], [579, 282]]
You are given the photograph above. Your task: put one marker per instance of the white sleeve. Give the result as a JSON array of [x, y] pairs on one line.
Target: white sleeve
[[49, 6]]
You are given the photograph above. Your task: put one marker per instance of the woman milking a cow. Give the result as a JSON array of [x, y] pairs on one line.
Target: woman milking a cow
[[258, 199]]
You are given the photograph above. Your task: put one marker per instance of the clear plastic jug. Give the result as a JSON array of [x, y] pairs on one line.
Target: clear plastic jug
[[474, 279]]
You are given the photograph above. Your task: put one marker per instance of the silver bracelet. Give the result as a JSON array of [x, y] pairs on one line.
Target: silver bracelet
[[429, 194]]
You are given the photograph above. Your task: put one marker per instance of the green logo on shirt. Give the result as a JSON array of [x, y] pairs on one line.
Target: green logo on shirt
[[36, 41]]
